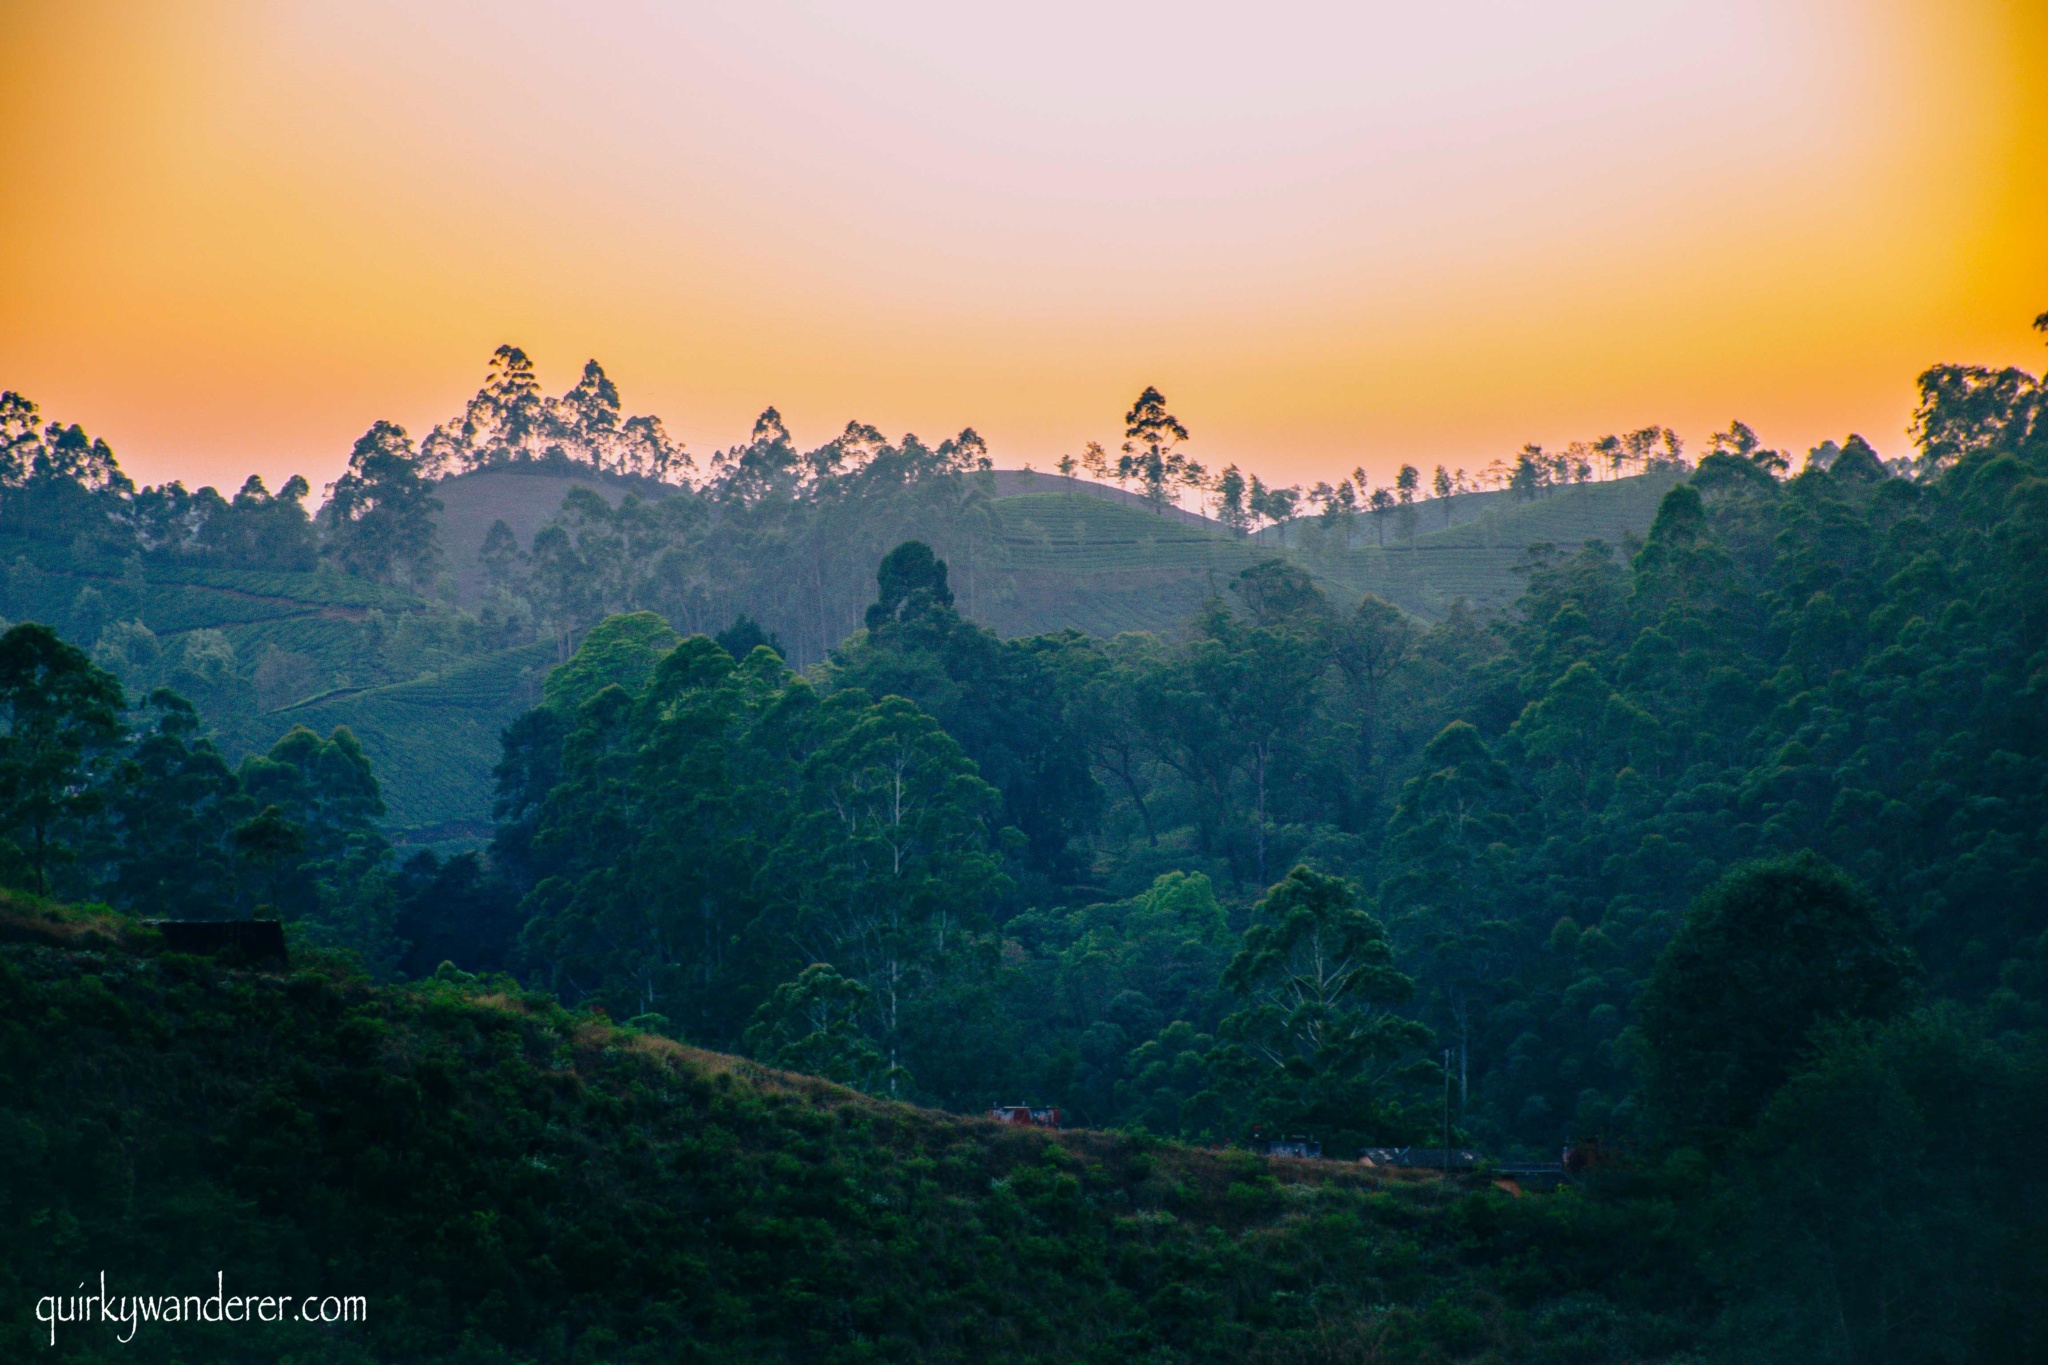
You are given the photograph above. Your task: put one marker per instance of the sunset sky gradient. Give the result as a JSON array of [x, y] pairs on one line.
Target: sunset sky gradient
[[1332, 233]]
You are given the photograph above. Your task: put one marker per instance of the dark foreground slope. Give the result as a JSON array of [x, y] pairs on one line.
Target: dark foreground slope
[[503, 1180]]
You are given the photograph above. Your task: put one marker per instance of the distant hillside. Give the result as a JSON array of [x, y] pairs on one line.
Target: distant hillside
[[263, 651], [1472, 552], [504, 1181], [1101, 561], [434, 740], [1095, 564], [1011, 483], [1075, 554], [170, 598], [525, 498], [428, 697]]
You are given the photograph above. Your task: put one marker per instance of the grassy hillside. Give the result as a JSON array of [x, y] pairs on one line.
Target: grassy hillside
[[1090, 557], [173, 598], [1011, 483], [1103, 565], [319, 649], [434, 740], [524, 498], [505, 1181], [1474, 556], [1080, 561], [1086, 556]]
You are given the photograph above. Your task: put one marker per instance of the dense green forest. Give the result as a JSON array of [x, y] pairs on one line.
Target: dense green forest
[[1720, 852]]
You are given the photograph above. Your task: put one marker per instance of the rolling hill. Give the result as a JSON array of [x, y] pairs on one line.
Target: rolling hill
[[504, 1182], [1080, 561], [1074, 554], [524, 498], [1097, 559], [1472, 552], [434, 740]]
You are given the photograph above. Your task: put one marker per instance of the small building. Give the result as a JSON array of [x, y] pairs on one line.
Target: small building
[[258, 942], [1421, 1158], [1296, 1147], [1026, 1115]]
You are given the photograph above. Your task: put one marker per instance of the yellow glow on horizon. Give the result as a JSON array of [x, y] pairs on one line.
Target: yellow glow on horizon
[[240, 233]]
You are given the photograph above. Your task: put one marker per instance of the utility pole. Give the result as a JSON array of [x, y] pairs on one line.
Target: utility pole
[[1447, 1112], [1464, 1036]]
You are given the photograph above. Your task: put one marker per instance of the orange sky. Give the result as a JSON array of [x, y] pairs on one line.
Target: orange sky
[[1332, 233]]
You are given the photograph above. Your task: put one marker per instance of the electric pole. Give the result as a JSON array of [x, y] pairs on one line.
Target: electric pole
[[1447, 1111]]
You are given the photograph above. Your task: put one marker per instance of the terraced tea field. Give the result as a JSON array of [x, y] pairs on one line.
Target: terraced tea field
[[1082, 561], [1070, 560], [1471, 559], [434, 740], [174, 598]]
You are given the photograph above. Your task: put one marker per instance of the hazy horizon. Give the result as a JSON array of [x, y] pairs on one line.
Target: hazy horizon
[[1342, 236]]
